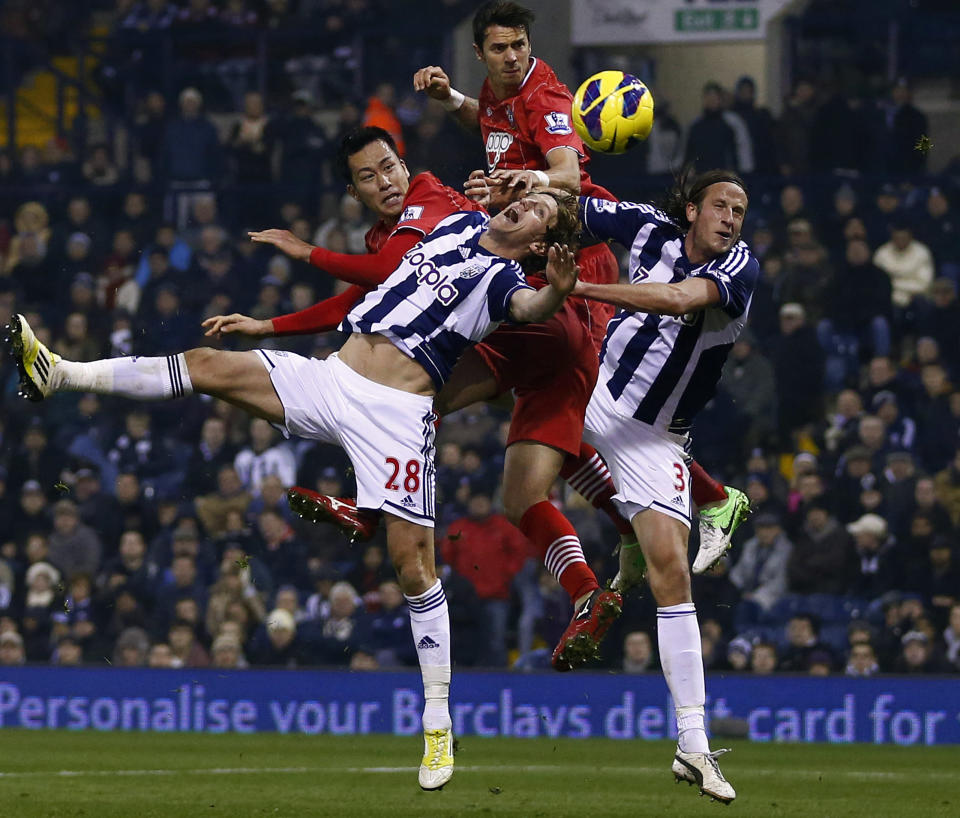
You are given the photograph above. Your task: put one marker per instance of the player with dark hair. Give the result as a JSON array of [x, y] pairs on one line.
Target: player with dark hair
[[374, 397], [523, 114], [691, 283], [551, 395]]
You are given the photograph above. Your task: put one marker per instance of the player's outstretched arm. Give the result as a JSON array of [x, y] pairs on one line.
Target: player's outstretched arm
[[689, 295], [366, 269], [534, 306], [435, 83]]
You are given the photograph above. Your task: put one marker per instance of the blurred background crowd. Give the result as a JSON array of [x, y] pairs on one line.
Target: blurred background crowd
[[159, 534]]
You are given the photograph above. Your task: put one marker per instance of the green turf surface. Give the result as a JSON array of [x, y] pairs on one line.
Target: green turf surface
[[62, 773]]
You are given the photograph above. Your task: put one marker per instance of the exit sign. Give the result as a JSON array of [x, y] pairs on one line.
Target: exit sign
[[704, 20]]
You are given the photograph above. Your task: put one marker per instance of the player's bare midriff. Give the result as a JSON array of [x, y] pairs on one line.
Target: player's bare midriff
[[375, 357]]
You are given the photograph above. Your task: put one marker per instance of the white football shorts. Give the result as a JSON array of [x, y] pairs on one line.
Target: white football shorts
[[647, 465], [388, 434]]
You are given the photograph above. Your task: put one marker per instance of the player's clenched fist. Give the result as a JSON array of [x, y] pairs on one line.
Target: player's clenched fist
[[434, 81]]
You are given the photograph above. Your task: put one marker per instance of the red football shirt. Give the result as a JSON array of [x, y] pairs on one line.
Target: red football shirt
[[519, 131], [428, 201]]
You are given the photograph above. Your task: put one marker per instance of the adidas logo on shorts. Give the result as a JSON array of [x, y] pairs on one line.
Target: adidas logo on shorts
[[677, 501], [407, 502], [426, 643]]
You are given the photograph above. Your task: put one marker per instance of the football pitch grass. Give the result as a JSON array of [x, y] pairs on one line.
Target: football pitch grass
[[139, 775]]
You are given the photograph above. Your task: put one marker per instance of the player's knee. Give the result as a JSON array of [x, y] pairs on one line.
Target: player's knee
[[201, 364], [669, 578], [414, 577], [515, 505]]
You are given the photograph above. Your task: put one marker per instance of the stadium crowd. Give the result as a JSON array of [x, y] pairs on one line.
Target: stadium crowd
[[160, 534]]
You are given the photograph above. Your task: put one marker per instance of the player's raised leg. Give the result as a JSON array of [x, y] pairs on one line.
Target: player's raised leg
[[663, 539], [241, 378], [529, 472], [721, 510]]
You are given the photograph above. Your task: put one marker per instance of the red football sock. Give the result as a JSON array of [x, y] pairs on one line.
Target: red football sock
[[587, 474], [559, 544], [703, 488]]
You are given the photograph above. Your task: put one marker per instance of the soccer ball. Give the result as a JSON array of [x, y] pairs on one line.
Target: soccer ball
[[612, 111]]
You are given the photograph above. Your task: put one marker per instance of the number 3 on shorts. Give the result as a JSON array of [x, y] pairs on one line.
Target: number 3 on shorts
[[411, 480], [679, 482]]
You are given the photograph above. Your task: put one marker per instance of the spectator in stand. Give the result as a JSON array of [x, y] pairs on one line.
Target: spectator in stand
[[638, 654], [807, 271], [212, 453], [918, 656], [795, 127], [278, 642], [344, 629], [939, 229], [191, 153], [857, 317], [232, 586], [381, 113], [370, 573], [748, 378], [819, 562], [132, 648], [35, 458], [761, 125], [41, 581], [941, 581], [760, 572], [943, 322], [803, 644], [390, 636], [74, 547], [78, 616], [486, 549], [12, 651], [947, 484], [905, 124], [282, 552], [909, 264], [799, 365], [739, 651], [711, 141], [862, 660], [185, 646], [763, 658], [951, 637], [31, 219], [351, 221], [925, 501], [264, 456], [304, 151], [250, 146], [876, 567]]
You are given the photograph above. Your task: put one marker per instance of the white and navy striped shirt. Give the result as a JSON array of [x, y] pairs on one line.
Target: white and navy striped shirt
[[662, 369], [447, 294]]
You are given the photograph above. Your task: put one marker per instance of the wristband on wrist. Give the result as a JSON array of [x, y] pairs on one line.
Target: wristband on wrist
[[542, 178], [454, 101]]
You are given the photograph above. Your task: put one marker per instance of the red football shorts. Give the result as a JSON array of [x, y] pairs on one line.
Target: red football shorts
[[551, 368], [598, 265]]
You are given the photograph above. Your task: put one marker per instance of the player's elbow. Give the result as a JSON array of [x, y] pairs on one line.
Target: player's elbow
[[678, 302]]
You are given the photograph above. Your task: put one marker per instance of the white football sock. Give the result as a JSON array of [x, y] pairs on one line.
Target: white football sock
[[137, 378], [430, 622], [681, 658]]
